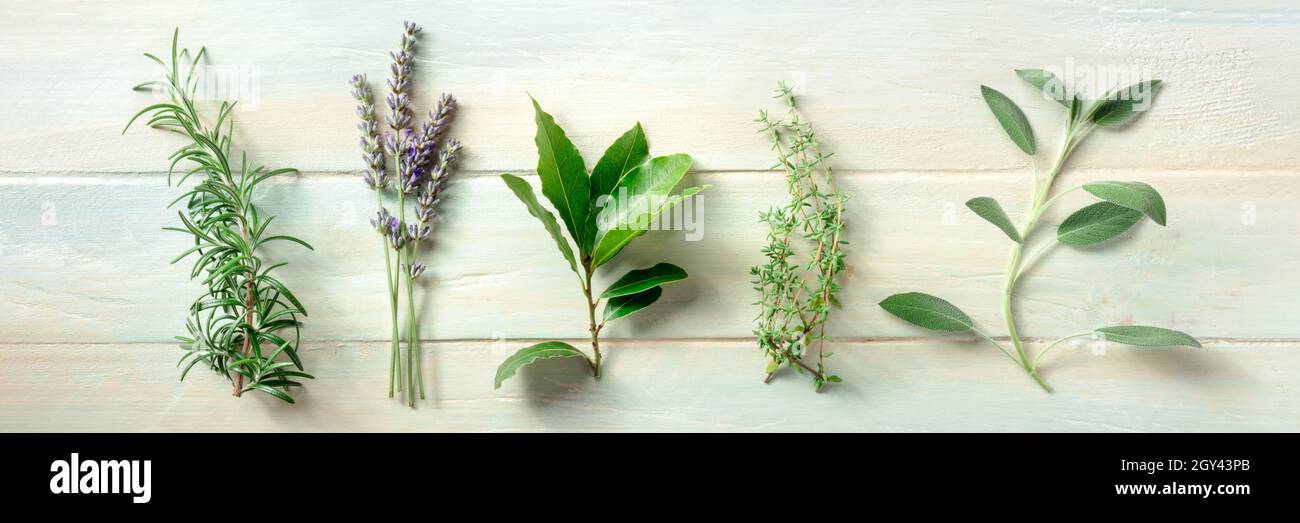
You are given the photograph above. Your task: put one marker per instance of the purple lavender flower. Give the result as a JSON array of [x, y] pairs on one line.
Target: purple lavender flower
[[380, 220], [432, 130], [399, 100], [375, 175], [396, 234], [417, 270]]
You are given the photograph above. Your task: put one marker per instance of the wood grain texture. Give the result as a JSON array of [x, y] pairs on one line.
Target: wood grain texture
[[892, 86], [669, 386], [495, 272], [88, 304]]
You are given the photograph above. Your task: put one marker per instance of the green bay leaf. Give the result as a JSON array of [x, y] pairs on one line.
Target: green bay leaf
[[527, 355], [639, 280], [524, 192], [621, 306], [637, 200], [564, 177]]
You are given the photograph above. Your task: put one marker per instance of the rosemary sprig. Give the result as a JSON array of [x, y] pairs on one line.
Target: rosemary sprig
[[235, 326], [793, 313], [422, 163]]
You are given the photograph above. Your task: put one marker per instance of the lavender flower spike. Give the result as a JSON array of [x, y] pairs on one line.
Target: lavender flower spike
[[399, 100], [375, 175]]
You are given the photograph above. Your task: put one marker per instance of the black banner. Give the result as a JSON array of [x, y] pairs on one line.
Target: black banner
[[309, 473]]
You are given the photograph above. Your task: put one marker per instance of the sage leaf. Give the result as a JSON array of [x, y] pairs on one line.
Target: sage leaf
[[542, 351], [1124, 105], [1147, 336], [924, 310], [644, 279], [991, 210], [524, 192], [621, 306], [564, 177], [1096, 223], [1011, 117], [637, 200], [1048, 83], [1133, 195]]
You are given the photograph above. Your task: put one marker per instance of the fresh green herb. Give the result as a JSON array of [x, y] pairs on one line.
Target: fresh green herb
[[793, 313], [235, 326], [602, 212], [1122, 205], [422, 163]]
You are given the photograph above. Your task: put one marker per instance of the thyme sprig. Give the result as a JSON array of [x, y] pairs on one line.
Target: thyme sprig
[[235, 326], [791, 324]]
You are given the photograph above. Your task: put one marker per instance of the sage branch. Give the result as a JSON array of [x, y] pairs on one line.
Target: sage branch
[[1121, 205]]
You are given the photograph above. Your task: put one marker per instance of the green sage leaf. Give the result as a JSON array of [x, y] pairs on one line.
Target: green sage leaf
[[1146, 336], [1048, 83], [1096, 223], [541, 351], [1124, 105], [1011, 117], [1133, 195], [524, 192], [644, 279], [924, 310], [991, 210], [621, 306], [564, 177]]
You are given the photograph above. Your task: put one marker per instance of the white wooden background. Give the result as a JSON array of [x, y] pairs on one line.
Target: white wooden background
[[88, 303]]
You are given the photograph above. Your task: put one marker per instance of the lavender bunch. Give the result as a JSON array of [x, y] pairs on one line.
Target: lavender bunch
[[421, 165]]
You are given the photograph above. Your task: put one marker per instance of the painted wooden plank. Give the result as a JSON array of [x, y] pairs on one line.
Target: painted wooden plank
[[670, 386], [83, 260], [892, 86]]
